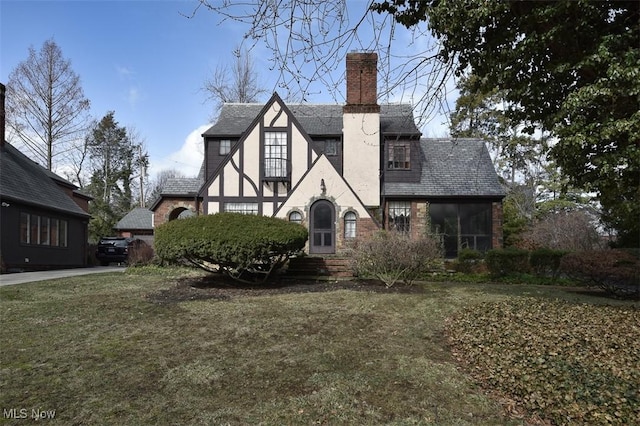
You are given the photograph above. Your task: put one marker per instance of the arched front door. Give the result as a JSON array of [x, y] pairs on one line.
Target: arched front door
[[322, 230]]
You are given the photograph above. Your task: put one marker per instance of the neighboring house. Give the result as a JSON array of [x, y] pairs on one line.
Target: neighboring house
[[43, 217], [138, 223], [345, 171]]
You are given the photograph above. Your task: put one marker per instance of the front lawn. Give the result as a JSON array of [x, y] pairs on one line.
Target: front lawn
[[102, 349]]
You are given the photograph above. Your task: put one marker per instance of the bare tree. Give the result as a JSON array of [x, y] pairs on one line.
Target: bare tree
[[154, 186], [238, 83], [309, 39], [46, 107]]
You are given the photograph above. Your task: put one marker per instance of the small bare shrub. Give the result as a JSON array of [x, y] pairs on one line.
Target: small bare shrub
[[140, 254], [615, 271], [392, 257]]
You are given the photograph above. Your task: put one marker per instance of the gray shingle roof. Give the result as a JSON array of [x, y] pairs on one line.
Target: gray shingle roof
[[24, 181], [451, 168], [315, 119], [138, 218], [181, 186]]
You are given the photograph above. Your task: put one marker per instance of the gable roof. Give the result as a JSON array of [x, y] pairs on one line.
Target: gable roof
[[138, 218], [451, 168], [22, 180], [315, 119]]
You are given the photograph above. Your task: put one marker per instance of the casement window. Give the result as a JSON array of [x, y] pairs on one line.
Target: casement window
[[350, 225], [464, 225], [331, 147], [275, 155], [295, 217], [225, 146], [399, 214], [399, 156], [42, 230], [244, 208]]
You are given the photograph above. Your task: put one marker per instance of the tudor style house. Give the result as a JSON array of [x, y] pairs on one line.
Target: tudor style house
[[344, 171]]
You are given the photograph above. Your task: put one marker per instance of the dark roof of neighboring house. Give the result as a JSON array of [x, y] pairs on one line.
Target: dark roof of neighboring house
[[315, 119], [451, 168], [138, 218], [22, 180]]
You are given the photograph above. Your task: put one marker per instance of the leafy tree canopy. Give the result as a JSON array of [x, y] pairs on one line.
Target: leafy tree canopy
[[569, 67]]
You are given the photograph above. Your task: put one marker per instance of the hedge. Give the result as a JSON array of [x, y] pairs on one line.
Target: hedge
[[245, 247]]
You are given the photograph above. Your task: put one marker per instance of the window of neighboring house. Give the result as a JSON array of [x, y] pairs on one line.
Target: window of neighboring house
[[34, 229], [53, 232], [295, 217], [399, 156], [62, 233], [465, 225], [349, 225], [244, 208], [331, 147], [400, 216], [24, 228], [225, 146], [42, 230], [275, 154]]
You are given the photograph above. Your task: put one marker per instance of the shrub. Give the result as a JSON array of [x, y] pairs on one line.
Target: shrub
[[140, 254], [508, 261], [468, 261], [392, 257], [564, 230], [244, 247], [615, 271], [546, 262]]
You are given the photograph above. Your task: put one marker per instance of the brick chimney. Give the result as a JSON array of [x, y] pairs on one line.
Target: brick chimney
[[362, 83], [2, 122]]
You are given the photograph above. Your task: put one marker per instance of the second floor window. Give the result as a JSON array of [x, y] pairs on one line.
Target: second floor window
[[399, 156], [225, 146], [275, 154]]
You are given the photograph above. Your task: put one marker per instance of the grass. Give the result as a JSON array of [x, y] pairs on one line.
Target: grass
[[96, 350]]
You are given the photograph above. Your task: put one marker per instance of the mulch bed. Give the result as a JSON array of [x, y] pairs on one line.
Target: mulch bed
[[222, 288]]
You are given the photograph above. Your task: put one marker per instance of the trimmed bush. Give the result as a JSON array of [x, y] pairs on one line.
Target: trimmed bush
[[546, 262], [392, 257], [247, 248], [468, 261], [506, 262], [615, 271]]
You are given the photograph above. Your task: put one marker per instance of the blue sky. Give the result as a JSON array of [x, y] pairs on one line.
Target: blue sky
[[145, 60]]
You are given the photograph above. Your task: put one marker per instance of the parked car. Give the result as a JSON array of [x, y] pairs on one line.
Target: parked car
[[115, 249]]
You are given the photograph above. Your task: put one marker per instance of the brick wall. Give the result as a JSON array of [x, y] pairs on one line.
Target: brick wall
[[163, 213]]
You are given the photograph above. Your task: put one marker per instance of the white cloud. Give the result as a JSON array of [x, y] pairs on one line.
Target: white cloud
[[188, 159]]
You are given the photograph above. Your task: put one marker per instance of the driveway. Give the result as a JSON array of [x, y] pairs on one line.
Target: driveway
[[27, 277]]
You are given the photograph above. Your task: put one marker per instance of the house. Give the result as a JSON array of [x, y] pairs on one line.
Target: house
[[346, 171], [138, 223], [43, 217]]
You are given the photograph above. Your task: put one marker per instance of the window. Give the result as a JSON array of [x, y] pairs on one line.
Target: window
[[349, 225], [275, 155], [400, 216], [331, 147], [24, 228], [225, 146], [399, 156], [244, 208], [295, 217], [42, 230], [460, 226]]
